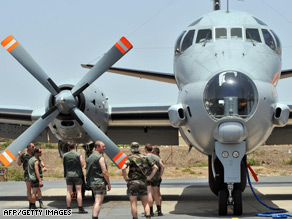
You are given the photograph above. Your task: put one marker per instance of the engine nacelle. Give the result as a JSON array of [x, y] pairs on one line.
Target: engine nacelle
[[177, 115], [281, 114], [93, 103]]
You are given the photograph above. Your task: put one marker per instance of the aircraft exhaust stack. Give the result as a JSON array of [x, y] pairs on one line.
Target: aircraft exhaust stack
[[216, 5]]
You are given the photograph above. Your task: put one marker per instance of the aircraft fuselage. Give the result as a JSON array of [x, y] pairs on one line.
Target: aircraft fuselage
[[225, 44]]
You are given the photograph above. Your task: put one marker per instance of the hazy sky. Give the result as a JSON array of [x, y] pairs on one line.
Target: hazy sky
[[62, 34]]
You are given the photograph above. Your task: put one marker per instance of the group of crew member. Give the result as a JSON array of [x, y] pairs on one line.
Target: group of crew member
[[143, 178]]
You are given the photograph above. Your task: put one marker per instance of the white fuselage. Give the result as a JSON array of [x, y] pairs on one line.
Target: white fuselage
[[219, 44]]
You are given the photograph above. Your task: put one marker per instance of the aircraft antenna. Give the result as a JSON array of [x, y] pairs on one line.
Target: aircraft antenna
[[227, 11], [216, 5]]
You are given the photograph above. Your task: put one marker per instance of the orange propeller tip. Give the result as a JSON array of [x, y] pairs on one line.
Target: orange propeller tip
[[126, 42]]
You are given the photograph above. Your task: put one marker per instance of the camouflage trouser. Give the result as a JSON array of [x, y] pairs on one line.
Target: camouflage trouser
[[26, 178], [99, 189], [137, 188]]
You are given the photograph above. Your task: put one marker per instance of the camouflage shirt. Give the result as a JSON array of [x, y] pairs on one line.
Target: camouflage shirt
[[138, 165]]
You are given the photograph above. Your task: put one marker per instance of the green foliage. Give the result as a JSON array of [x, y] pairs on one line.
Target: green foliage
[[188, 170], [253, 162], [15, 174], [51, 146], [201, 164], [5, 144], [123, 145], [289, 162], [111, 173], [112, 164]]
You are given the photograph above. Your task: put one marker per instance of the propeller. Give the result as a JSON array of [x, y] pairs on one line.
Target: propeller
[[20, 54], [109, 59], [112, 151], [65, 100]]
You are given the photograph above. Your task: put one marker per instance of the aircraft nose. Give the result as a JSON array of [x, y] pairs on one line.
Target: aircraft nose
[[230, 93]]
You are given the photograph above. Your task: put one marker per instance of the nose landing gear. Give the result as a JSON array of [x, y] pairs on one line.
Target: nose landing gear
[[229, 194], [231, 198]]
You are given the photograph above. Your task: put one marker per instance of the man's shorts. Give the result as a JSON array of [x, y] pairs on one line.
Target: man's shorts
[[35, 184], [154, 183], [137, 188], [99, 189], [70, 181], [26, 178]]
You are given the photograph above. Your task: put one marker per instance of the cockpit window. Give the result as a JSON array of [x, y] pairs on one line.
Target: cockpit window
[[221, 33], [279, 47], [259, 21], [236, 33], [188, 40], [269, 39], [204, 35], [196, 22], [253, 34], [177, 44]]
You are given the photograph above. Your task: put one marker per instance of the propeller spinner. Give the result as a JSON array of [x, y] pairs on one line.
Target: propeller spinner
[[66, 101]]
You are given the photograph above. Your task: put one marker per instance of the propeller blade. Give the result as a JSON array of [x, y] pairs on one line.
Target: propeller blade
[[111, 149], [11, 152], [21, 55], [110, 58]]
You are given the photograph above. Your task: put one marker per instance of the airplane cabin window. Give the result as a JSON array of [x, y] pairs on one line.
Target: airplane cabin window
[[177, 44], [221, 33], [188, 40], [269, 39], [253, 34], [236, 33], [196, 22], [279, 47], [204, 35]]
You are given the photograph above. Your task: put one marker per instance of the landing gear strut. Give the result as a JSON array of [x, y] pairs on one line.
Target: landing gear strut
[[229, 194]]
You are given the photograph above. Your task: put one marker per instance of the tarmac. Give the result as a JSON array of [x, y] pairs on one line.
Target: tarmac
[[182, 198]]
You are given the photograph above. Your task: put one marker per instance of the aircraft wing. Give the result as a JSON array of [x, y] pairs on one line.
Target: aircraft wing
[[286, 74], [156, 76], [144, 124], [15, 120]]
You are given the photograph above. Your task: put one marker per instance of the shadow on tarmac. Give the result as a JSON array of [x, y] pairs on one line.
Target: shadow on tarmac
[[195, 200], [201, 202]]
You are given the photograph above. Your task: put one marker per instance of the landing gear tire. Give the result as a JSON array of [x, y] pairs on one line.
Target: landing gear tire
[[223, 196], [237, 199]]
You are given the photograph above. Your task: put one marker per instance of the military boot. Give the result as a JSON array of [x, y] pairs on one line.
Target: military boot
[[42, 204]]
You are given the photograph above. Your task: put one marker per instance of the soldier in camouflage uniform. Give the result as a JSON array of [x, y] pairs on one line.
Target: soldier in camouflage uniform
[[97, 176], [137, 180], [23, 160], [153, 185]]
